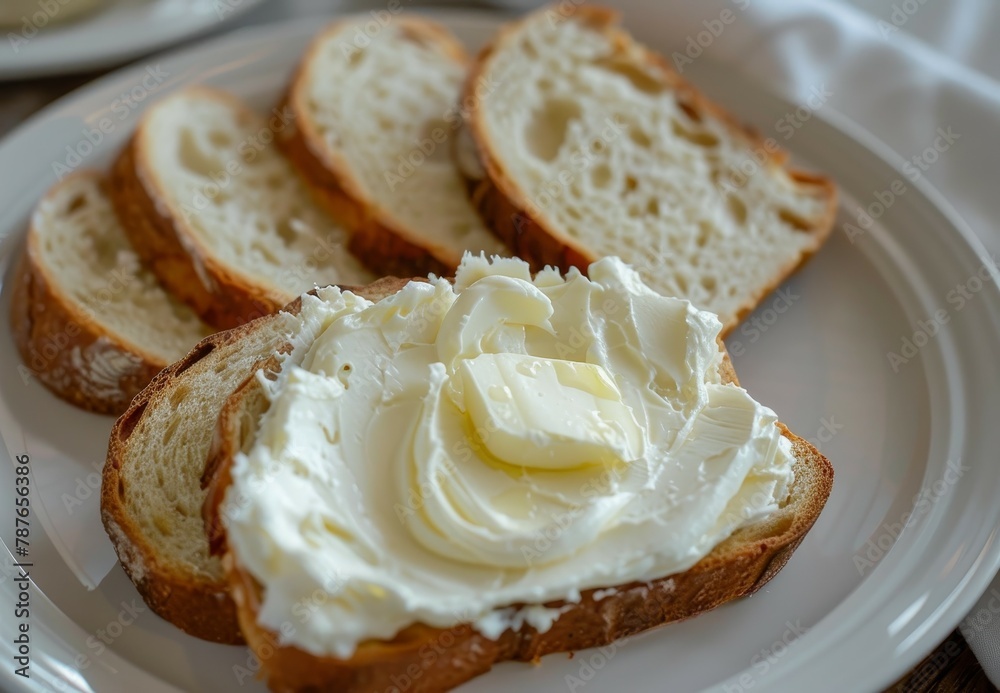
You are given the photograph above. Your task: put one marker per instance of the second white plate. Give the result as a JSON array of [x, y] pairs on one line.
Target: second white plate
[[112, 34]]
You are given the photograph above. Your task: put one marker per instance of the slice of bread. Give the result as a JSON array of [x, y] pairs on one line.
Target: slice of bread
[[151, 490], [599, 148], [90, 322], [373, 119], [737, 567], [219, 215], [151, 493]]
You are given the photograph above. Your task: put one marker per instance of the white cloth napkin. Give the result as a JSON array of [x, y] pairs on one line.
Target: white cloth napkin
[[902, 69]]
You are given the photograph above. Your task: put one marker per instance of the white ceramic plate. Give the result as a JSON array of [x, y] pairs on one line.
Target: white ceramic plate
[[827, 622], [121, 30]]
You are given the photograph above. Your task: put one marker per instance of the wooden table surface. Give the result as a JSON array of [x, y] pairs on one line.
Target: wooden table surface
[[950, 667]]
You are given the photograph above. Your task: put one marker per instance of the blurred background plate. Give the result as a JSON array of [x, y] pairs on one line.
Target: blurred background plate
[[116, 30]]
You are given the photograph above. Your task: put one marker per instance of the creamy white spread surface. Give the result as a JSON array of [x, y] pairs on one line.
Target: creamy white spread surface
[[454, 449]]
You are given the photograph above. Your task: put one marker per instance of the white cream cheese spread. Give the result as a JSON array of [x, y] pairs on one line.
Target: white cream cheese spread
[[455, 449]]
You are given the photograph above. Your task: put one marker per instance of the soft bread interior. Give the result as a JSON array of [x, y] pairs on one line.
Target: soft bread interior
[[162, 447], [386, 112], [81, 244], [219, 169], [613, 153]]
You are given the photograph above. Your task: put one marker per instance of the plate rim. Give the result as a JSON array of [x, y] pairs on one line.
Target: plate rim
[[255, 35]]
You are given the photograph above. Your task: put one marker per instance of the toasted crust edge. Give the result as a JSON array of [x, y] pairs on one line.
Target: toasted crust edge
[[60, 345], [739, 566], [166, 245], [463, 653], [199, 606], [379, 239], [196, 604], [533, 238]]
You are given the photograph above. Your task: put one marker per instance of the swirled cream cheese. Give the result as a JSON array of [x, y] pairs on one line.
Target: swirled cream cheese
[[455, 449]]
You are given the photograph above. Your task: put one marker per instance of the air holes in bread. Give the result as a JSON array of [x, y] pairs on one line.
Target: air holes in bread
[[191, 156], [437, 131], [219, 139], [75, 204], [179, 395], [600, 176], [704, 232], [546, 131], [689, 110], [264, 251], [639, 136], [794, 220], [163, 525], [638, 78], [286, 231], [737, 208], [171, 429], [129, 421], [197, 354], [700, 138]]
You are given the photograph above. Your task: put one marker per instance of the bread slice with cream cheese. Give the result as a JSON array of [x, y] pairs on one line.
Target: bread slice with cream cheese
[[739, 565], [151, 492]]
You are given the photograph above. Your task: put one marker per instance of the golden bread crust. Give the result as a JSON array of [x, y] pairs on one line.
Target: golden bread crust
[[504, 206], [64, 347]]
